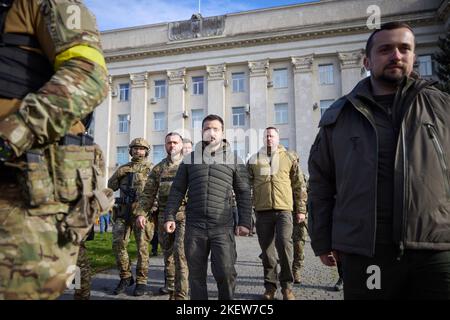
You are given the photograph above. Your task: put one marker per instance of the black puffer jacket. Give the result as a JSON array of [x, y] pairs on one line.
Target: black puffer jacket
[[343, 173], [210, 181]]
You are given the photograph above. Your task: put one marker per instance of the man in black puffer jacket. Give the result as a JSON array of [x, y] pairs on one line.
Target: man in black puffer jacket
[[210, 174]]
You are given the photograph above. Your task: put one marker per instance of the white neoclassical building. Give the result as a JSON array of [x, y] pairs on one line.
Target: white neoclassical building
[[277, 67]]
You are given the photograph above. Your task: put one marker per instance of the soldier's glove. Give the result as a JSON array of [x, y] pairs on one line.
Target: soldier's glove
[[6, 153]]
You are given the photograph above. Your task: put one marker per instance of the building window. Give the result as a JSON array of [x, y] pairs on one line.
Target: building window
[[238, 79], [425, 66], [160, 89], [239, 116], [326, 74], [281, 113], [280, 78], [324, 105], [122, 155], [160, 121], [197, 85], [124, 91], [158, 153], [197, 118], [124, 120], [285, 143]]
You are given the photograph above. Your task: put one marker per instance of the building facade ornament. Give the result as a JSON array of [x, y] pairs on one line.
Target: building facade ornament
[[258, 68], [302, 64], [351, 59], [139, 80], [216, 72], [176, 76]]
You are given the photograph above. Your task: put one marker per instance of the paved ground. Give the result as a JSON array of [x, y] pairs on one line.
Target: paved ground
[[317, 283]]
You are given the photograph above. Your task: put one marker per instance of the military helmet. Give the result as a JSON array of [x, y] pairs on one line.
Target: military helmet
[[139, 142]]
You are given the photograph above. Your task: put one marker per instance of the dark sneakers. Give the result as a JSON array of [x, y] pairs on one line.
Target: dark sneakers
[[140, 289], [123, 284], [339, 285]]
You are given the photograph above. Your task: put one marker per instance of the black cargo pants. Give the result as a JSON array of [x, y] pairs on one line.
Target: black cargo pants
[[418, 274], [221, 243]]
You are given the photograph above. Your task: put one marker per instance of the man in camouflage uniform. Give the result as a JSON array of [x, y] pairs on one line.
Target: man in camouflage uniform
[[298, 239], [130, 179], [158, 185], [84, 291], [278, 190], [52, 75]]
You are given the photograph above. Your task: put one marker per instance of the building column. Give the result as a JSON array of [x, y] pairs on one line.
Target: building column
[[258, 100], [139, 93], [351, 64], [305, 126], [176, 100], [103, 137], [216, 90]]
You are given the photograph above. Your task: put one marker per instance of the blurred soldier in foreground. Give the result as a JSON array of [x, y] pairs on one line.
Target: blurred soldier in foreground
[[52, 76]]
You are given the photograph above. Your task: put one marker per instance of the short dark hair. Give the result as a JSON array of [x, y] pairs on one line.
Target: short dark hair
[[386, 26], [173, 134], [272, 128], [186, 140], [212, 117]]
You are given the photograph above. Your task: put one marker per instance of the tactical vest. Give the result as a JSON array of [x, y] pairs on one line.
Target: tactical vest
[[166, 178], [21, 71]]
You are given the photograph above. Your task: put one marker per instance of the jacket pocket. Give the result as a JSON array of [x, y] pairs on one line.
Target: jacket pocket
[[441, 156]]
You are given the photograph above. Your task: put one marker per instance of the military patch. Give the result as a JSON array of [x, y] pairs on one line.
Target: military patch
[[70, 22]]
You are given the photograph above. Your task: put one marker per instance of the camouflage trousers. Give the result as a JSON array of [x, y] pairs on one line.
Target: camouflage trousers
[[298, 239], [175, 264], [33, 265], [84, 292], [121, 237]]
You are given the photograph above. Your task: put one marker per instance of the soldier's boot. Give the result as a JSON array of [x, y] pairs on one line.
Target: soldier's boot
[[297, 277], [269, 294], [164, 290], [339, 285], [140, 289], [288, 294], [172, 295], [123, 284]]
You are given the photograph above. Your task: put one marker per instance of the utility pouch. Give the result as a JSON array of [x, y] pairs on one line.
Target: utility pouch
[[37, 180]]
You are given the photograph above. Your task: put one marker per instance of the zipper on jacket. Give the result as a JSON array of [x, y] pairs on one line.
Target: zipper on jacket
[[440, 151], [404, 211], [362, 111]]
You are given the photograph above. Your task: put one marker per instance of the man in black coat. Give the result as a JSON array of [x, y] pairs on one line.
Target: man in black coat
[[210, 175], [379, 197]]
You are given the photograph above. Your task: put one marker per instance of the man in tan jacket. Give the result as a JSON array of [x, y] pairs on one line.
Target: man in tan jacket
[[278, 190]]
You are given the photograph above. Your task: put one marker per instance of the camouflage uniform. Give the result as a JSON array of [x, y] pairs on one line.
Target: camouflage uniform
[[158, 185], [84, 293], [299, 234], [37, 259], [299, 237], [122, 227]]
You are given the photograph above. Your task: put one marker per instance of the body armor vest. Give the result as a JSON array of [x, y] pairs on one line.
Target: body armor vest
[[21, 71]]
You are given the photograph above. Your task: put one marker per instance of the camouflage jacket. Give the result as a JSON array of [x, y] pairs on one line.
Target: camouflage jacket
[[119, 180], [158, 187], [68, 36], [277, 182]]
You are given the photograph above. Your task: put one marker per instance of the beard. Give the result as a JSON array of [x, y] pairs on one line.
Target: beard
[[392, 78]]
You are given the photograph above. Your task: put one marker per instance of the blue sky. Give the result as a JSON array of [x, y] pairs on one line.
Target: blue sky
[[114, 14]]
